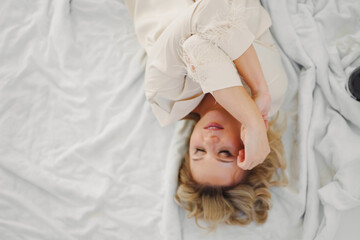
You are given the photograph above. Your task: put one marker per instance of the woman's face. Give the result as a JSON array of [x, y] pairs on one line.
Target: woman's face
[[214, 147]]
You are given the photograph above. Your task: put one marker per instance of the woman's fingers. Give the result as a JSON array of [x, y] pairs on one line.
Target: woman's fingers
[[266, 124], [241, 160], [265, 117], [254, 164], [246, 164], [256, 145], [253, 154], [242, 155]]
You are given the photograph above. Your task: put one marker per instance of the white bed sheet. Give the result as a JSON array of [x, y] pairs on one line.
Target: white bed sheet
[[82, 156]]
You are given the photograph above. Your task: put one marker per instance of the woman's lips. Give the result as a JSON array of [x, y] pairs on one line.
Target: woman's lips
[[213, 126]]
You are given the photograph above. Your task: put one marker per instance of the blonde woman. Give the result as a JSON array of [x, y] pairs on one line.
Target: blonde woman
[[214, 61]]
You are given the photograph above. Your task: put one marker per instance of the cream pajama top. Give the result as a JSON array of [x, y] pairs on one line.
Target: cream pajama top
[[190, 48]]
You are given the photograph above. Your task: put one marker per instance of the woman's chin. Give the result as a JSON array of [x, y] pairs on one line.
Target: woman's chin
[[221, 117]]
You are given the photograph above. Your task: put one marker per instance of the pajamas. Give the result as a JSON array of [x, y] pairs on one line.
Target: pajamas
[[190, 48]]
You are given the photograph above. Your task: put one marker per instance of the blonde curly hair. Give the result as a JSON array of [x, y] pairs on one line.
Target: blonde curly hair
[[240, 204]]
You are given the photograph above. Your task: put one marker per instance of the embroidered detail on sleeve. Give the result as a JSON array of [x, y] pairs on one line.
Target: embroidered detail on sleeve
[[198, 55], [224, 16], [215, 38], [220, 26]]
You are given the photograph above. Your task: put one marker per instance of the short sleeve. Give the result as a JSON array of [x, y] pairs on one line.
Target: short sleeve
[[225, 26], [208, 65]]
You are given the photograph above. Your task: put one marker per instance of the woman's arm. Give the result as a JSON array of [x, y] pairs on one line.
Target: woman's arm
[[250, 112], [249, 68], [238, 103]]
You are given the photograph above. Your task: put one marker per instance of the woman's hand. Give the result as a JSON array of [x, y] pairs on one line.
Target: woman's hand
[[238, 103], [256, 147], [256, 142]]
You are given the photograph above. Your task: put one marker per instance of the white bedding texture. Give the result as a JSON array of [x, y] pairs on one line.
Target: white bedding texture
[[83, 158]]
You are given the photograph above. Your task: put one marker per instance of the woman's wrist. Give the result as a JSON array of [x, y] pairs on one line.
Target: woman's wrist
[[239, 104], [254, 122], [259, 88], [249, 68]]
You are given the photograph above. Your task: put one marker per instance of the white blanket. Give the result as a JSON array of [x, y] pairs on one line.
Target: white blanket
[[323, 39], [82, 156]]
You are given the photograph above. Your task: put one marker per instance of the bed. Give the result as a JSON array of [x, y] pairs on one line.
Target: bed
[[83, 157]]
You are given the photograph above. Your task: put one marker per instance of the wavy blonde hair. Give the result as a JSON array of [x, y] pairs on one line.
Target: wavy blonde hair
[[240, 204]]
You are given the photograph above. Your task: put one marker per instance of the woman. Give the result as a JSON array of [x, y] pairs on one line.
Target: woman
[[196, 55]]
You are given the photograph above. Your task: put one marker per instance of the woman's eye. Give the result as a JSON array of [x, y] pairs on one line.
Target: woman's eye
[[226, 153], [199, 150]]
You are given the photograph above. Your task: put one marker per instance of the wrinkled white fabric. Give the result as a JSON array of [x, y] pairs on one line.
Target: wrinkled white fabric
[[83, 158], [324, 49], [81, 154]]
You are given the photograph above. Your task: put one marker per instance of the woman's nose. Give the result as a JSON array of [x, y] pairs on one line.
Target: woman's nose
[[210, 139]]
